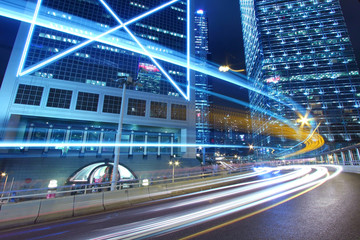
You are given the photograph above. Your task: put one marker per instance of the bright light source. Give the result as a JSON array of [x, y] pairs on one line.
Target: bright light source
[[304, 120], [200, 11], [251, 147], [145, 182], [3, 174], [53, 184], [224, 68]]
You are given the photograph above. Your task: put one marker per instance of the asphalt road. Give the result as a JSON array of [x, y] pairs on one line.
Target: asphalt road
[[330, 211]]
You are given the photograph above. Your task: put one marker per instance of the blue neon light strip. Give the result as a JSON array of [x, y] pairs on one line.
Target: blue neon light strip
[[29, 37], [97, 144], [188, 37]]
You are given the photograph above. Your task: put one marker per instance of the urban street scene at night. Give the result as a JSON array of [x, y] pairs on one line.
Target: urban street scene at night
[[179, 119]]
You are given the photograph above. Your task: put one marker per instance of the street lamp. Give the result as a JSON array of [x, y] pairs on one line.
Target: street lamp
[[125, 82], [173, 164], [3, 174], [227, 68], [251, 147]]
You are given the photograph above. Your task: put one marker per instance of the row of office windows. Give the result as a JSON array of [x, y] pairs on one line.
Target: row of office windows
[[54, 134], [60, 98]]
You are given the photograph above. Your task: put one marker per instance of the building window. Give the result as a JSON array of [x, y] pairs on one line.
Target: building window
[[112, 104], [29, 95], [178, 112], [87, 101], [158, 110], [59, 98], [136, 107]]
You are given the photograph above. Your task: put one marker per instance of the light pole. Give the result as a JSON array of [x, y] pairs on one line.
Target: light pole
[[126, 82], [173, 163], [3, 174]]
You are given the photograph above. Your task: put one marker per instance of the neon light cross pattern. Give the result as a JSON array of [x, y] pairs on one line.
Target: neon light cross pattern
[[22, 71]]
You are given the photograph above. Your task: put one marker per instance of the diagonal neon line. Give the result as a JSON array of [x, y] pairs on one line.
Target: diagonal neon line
[[188, 47], [145, 51], [63, 54], [72, 49], [29, 37]]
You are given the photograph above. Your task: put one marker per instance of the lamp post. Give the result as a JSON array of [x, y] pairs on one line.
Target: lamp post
[[126, 82], [3, 174], [173, 163]]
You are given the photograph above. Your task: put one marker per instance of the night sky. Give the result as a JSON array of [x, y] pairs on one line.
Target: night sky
[[225, 34]]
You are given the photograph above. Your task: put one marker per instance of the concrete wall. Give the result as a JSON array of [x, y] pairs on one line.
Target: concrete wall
[[36, 211]]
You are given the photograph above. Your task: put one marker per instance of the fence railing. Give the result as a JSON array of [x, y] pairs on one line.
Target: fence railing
[[21, 195]]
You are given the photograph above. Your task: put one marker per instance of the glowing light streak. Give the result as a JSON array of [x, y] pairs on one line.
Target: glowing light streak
[[175, 221], [146, 52], [29, 37], [248, 186], [338, 171], [65, 53], [97, 144]]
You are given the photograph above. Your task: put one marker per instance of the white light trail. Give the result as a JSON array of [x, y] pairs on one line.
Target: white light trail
[[177, 221]]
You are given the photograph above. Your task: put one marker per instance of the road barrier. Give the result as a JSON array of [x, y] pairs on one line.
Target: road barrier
[[37, 211]]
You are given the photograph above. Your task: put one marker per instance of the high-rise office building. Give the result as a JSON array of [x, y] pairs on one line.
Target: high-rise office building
[[51, 97], [302, 49], [202, 98]]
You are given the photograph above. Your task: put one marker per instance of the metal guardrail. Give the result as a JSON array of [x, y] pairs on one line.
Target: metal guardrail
[[15, 196]]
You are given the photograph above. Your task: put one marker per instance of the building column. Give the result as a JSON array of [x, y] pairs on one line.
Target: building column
[[84, 141], [48, 138], [172, 145], [145, 143], [358, 155], [343, 157], [28, 138], [159, 142], [131, 143], [351, 157], [336, 159], [100, 142], [67, 137], [322, 159]]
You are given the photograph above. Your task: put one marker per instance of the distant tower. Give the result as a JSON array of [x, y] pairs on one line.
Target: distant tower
[[302, 49], [202, 101]]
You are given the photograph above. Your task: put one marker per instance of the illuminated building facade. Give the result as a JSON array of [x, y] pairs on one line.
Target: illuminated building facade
[[302, 49], [202, 98], [77, 98]]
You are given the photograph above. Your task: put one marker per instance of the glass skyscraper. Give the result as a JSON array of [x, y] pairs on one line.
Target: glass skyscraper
[[302, 49], [202, 98], [76, 97]]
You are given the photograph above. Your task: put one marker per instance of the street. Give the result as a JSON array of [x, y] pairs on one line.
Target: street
[[326, 212]]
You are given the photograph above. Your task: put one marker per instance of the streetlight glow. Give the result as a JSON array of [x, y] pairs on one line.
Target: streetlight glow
[[173, 164], [227, 68]]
